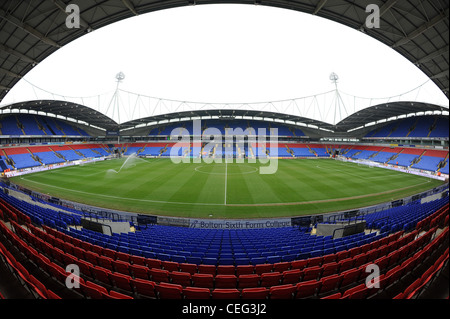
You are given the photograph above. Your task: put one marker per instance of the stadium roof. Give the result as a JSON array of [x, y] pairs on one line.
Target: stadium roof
[[63, 109], [78, 112], [385, 111], [226, 114], [32, 30]]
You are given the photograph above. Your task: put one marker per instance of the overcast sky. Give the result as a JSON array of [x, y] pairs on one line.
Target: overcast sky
[[225, 53]]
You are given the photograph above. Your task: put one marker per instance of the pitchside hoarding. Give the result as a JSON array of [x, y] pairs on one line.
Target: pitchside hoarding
[[239, 224]]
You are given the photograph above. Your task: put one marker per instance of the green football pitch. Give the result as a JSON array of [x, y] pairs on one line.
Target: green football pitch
[[225, 190]]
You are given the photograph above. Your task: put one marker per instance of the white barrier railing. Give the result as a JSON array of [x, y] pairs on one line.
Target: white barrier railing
[[398, 168]]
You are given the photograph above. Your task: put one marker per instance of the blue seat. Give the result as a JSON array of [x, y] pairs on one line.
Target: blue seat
[[303, 255], [315, 253], [273, 259], [226, 261], [240, 255], [123, 249], [209, 261], [198, 254], [290, 257], [135, 251], [184, 253], [179, 258], [242, 261], [253, 255], [258, 260], [148, 254], [194, 260], [163, 256]]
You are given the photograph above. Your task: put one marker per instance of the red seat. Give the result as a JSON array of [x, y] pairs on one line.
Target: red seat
[[169, 291], [299, 264], [292, 276], [68, 248], [244, 270], [330, 269], [315, 261], [44, 263], [52, 295], [350, 276], [153, 263], [190, 268], [159, 275], [220, 293], [393, 275], [328, 259], [255, 293], [104, 251], [92, 290], [341, 255], [311, 273], [225, 281], [409, 291], [372, 255], [94, 248], [270, 279], [359, 260], [116, 295], [121, 267], [87, 246], [248, 281], [68, 259], [101, 274], [180, 278], [358, 292], [346, 264], [333, 296], [85, 268], [382, 262], [78, 252], [203, 280], [282, 292], [281, 266], [330, 283], [394, 257], [137, 260], [144, 287], [91, 257], [122, 256], [263, 268], [307, 289], [354, 252], [382, 280], [403, 252], [170, 265], [59, 273], [207, 269], [39, 286], [121, 281], [58, 255], [225, 270], [400, 295], [408, 265], [140, 271], [196, 293]]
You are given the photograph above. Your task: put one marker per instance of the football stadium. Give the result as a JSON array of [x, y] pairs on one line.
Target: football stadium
[[230, 201]]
